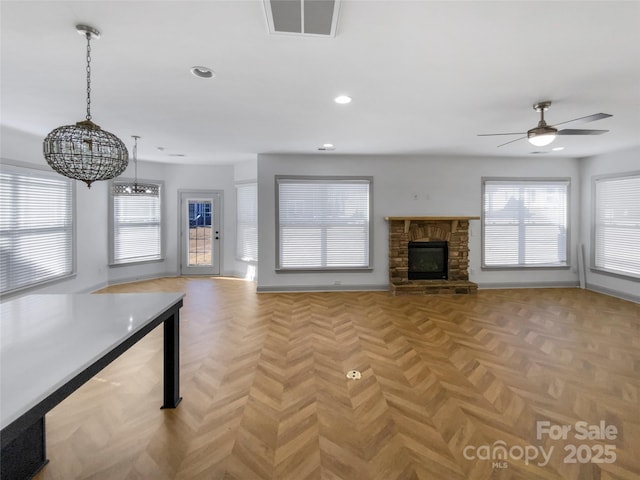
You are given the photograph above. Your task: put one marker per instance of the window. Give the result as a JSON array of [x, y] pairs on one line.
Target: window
[[616, 237], [323, 222], [525, 223], [136, 223], [36, 227], [247, 222]]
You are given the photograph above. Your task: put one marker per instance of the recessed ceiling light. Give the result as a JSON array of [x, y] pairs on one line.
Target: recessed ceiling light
[[327, 146], [342, 99], [557, 149], [202, 72]]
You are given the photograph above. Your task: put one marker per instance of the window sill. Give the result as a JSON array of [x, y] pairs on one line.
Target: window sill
[[135, 262], [524, 267], [251, 262], [36, 286], [616, 274], [325, 270]]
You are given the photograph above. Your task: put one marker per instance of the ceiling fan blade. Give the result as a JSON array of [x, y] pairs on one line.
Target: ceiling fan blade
[[588, 118], [517, 139], [573, 131], [494, 134]]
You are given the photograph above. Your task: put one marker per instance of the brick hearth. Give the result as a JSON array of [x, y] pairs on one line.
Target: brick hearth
[[453, 230]]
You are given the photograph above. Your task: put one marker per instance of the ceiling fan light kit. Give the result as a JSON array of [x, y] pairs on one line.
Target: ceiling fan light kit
[[541, 136], [544, 134], [84, 151]]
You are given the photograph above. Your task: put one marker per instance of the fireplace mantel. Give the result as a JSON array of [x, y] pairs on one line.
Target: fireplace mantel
[[407, 220]]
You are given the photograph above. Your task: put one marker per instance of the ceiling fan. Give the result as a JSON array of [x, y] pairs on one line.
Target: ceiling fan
[[544, 134]]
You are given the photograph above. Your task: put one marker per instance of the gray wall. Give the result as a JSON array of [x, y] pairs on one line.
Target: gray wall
[[416, 186], [617, 162], [92, 209]]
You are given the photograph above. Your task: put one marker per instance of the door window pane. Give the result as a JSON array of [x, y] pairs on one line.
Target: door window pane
[[200, 234]]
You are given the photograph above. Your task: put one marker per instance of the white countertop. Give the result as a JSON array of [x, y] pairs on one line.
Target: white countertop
[[45, 340]]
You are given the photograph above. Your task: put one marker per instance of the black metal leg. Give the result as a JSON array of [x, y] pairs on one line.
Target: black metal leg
[[26, 455], [172, 361]]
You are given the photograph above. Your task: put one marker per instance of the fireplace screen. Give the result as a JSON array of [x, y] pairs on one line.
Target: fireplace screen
[[428, 260]]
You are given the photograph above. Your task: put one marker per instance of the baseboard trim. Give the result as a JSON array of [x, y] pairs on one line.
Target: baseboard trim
[[613, 293], [322, 288], [384, 287], [139, 278], [497, 285]]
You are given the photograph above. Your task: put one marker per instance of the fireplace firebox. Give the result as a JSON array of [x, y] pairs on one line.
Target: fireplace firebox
[[428, 260]]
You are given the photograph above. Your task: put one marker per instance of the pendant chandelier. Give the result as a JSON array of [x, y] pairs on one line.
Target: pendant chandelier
[[84, 151], [135, 188]]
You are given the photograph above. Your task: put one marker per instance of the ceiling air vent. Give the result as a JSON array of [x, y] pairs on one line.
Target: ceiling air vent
[[302, 17]]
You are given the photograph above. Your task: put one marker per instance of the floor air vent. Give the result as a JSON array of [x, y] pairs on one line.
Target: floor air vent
[[302, 17]]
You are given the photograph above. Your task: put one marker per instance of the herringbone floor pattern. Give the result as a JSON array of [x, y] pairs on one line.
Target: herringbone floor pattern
[[446, 380]]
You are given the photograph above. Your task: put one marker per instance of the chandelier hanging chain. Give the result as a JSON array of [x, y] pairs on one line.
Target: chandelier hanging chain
[[88, 76]]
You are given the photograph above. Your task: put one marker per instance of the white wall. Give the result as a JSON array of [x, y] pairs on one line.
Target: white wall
[[617, 162], [147, 171], [91, 208], [192, 177], [176, 178], [402, 186], [245, 171], [418, 186], [92, 213]]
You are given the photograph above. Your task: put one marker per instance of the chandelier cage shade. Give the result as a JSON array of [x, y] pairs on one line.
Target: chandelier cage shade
[[84, 151], [135, 189]]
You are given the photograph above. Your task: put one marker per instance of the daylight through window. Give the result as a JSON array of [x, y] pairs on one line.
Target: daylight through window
[[617, 225], [525, 223], [323, 223], [36, 227]]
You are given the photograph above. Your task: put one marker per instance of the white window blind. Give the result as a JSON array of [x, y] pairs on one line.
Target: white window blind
[[247, 222], [525, 223], [136, 226], [617, 225], [36, 227], [323, 223]]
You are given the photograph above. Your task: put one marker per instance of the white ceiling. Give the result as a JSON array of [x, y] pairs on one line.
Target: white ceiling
[[426, 77]]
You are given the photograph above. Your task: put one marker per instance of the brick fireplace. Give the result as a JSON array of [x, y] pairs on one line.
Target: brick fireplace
[[453, 230]]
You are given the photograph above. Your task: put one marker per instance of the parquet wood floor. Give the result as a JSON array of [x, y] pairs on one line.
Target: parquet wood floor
[[446, 380]]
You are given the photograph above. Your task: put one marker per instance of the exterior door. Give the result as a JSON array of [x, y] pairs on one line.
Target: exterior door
[[200, 232]]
